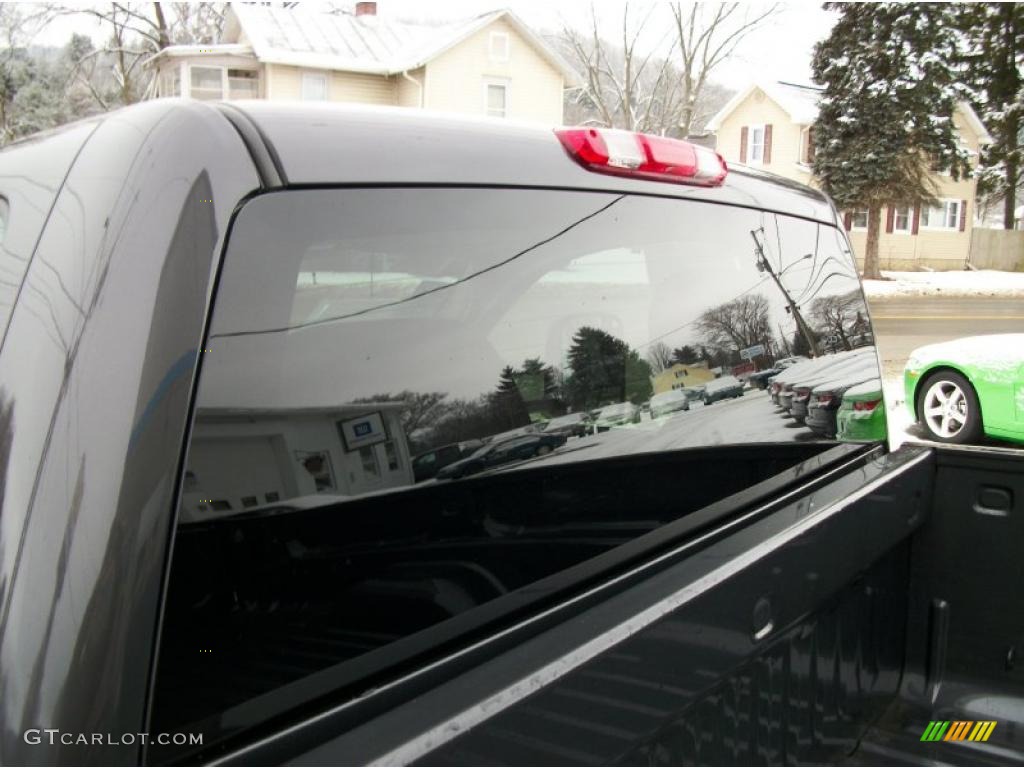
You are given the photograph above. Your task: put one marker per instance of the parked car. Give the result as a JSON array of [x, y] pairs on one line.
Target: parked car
[[802, 373], [861, 415], [617, 415], [854, 369], [222, 301], [502, 452], [826, 398], [722, 388], [963, 389], [760, 379], [570, 425], [427, 464], [665, 403]]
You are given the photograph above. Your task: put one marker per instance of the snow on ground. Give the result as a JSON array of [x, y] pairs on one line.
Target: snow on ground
[[897, 416], [983, 282]]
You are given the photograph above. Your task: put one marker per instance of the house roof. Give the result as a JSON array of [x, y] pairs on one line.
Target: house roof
[[369, 44], [800, 102]]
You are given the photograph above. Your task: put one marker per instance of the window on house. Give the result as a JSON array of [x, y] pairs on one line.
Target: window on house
[[807, 151], [243, 84], [755, 153], [314, 86], [496, 99], [392, 454], [902, 219], [207, 83], [860, 219], [498, 46], [170, 82], [945, 215]]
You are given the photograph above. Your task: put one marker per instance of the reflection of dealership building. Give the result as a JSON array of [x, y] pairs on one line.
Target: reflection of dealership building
[[679, 376], [243, 458]]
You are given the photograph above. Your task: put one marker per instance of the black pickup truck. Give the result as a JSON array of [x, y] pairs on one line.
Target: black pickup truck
[[228, 329]]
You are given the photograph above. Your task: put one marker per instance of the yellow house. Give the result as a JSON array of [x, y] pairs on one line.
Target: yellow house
[[491, 65], [679, 376], [770, 126]]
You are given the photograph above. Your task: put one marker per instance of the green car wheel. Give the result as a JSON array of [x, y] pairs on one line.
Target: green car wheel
[[948, 408]]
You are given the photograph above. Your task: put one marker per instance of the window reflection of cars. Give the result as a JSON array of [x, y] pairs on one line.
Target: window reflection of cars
[[502, 452], [617, 415], [724, 388], [427, 464], [669, 402], [570, 425]]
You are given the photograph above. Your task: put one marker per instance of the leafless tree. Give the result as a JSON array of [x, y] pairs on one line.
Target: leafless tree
[[839, 315], [660, 356], [707, 34], [135, 32], [624, 86], [737, 324]]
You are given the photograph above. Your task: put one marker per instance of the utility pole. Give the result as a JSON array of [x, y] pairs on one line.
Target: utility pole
[[764, 266]]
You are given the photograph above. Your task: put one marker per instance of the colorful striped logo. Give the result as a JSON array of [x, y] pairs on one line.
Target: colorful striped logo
[[958, 730]]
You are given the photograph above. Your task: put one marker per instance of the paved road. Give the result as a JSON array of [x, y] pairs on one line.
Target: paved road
[[902, 324]]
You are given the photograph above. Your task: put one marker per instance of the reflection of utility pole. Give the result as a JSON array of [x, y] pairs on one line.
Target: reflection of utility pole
[[764, 266]]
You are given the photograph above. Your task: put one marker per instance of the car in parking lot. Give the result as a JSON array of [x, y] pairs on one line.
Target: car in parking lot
[[569, 425], [960, 390], [427, 464], [500, 452], [665, 403], [854, 369], [617, 415], [826, 398], [722, 388], [802, 373], [861, 414]]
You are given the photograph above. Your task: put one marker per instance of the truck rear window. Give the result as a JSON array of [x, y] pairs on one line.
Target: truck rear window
[[415, 402]]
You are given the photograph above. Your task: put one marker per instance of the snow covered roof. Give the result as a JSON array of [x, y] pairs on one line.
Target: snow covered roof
[[368, 43], [800, 102]]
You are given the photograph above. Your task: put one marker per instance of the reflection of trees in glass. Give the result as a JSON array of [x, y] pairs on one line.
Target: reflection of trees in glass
[[420, 410], [6, 438], [841, 316], [603, 370], [507, 402], [659, 356], [536, 381], [737, 324]]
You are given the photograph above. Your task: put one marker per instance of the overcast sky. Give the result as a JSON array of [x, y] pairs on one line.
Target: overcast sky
[[779, 51]]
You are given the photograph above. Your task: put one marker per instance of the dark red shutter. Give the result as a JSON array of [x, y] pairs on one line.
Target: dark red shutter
[[743, 144], [767, 144], [890, 218], [848, 221], [963, 215]]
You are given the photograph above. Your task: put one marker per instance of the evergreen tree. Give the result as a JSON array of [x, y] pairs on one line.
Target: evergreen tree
[[536, 380], [603, 369], [994, 33], [686, 355], [886, 115], [507, 401]]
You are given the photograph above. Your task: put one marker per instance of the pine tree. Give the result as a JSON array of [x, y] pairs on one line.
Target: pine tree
[[507, 401], [994, 33], [603, 370], [889, 72]]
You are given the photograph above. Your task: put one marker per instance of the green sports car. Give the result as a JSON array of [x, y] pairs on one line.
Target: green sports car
[[861, 414], [962, 389]]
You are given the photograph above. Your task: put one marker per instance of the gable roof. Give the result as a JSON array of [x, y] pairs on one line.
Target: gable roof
[[800, 102], [369, 44]]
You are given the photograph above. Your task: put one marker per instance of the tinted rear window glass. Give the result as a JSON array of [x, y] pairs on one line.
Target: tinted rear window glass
[[354, 329]]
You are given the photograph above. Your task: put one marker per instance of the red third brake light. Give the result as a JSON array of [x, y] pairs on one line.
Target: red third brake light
[[640, 155]]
